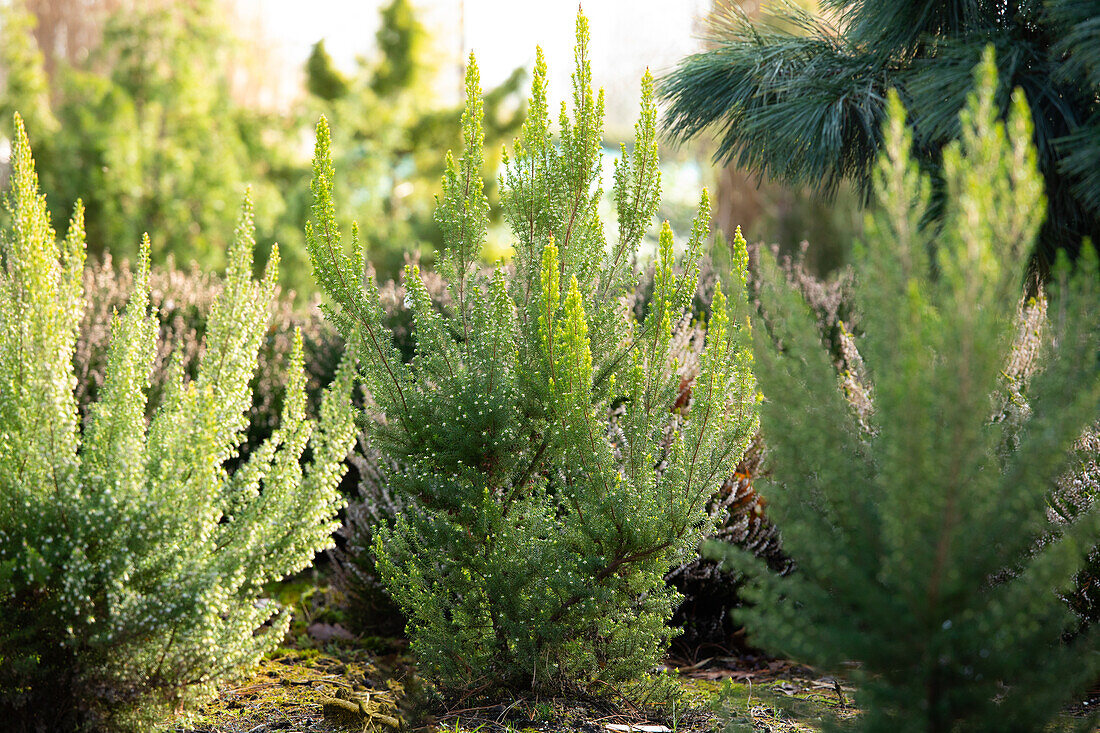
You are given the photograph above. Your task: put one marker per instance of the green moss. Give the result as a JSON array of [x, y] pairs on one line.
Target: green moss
[[290, 685]]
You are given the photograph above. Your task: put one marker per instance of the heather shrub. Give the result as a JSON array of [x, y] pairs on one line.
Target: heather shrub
[[928, 566], [368, 606], [711, 590], [132, 564], [182, 301], [548, 485], [373, 502]]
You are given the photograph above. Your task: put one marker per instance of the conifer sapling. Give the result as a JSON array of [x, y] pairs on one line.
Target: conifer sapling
[[919, 524]]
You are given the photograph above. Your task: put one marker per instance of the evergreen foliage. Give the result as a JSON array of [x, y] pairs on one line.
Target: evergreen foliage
[[323, 79], [920, 526], [22, 64], [131, 564], [388, 131], [146, 133], [401, 40], [149, 131], [802, 99], [182, 302], [552, 485]]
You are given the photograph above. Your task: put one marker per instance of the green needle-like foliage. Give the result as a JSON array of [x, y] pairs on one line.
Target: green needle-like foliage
[[550, 484], [132, 565], [323, 79], [802, 99], [922, 540]]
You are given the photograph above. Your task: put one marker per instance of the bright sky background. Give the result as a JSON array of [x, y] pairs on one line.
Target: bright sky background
[[627, 36]]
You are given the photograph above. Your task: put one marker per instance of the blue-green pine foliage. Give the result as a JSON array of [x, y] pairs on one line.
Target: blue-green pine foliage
[[551, 484], [801, 97], [924, 549], [132, 565]]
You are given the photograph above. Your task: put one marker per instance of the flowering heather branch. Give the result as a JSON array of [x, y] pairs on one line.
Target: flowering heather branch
[[547, 485], [132, 563]]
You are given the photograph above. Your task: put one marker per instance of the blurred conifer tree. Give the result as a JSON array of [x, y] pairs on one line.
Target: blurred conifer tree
[[802, 99], [919, 525], [388, 132]]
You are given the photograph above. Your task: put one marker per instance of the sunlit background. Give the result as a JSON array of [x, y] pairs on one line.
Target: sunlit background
[[627, 37], [158, 112]]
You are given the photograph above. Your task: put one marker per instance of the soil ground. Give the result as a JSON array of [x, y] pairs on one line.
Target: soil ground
[[287, 691], [719, 690]]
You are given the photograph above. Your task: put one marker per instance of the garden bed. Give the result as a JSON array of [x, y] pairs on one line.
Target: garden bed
[[288, 691], [746, 692]]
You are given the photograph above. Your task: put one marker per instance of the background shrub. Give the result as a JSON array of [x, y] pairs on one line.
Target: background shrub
[[711, 591], [1076, 491], [152, 117], [1076, 494], [367, 601]]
